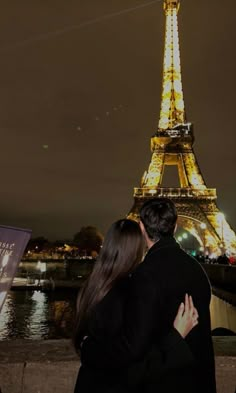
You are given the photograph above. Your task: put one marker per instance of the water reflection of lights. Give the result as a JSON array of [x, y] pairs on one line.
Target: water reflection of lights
[[38, 297], [41, 266], [4, 318], [39, 313]]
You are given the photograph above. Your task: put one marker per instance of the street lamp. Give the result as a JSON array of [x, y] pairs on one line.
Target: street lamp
[[181, 239]]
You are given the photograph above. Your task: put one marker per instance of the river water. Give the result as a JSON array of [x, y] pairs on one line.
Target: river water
[[50, 315]]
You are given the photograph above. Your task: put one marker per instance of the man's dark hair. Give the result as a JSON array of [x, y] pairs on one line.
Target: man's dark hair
[[159, 217]]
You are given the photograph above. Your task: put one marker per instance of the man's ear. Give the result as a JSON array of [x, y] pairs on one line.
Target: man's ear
[[142, 227], [148, 242]]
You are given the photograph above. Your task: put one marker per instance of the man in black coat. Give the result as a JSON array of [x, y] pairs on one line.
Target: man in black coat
[[156, 289]]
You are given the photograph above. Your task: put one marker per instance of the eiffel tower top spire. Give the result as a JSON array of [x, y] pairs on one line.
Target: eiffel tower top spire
[[172, 102]]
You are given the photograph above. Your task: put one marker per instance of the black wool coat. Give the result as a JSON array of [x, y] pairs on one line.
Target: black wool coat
[[105, 324], [153, 295]]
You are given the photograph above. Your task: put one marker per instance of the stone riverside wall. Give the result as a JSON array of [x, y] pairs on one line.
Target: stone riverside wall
[[51, 366]]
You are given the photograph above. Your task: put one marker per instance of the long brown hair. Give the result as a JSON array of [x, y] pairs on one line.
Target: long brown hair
[[122, 250]]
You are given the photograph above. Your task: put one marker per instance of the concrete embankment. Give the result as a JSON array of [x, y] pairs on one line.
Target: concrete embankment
[[52, 365]]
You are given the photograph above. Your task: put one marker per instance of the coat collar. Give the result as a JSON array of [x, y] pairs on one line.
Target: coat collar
[[164, 242]]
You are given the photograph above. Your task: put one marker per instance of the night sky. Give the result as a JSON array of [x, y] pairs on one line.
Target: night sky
[[80, 88]]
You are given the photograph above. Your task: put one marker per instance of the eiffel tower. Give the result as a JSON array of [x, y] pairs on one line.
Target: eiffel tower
[[172, 144]]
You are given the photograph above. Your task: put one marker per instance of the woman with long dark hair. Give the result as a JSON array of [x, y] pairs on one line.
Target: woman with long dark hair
[[100, 312]]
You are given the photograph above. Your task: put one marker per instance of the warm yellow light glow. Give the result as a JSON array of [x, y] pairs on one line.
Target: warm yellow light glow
[[152, 177], [172, 103], [193, 172], [172, 146], [67, 247], [152, 192], [220, 217]]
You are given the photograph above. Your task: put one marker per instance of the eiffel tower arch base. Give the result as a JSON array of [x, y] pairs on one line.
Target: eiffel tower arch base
[[201, 218]]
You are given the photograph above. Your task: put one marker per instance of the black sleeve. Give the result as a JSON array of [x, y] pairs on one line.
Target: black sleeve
[[172, 353], [135, 337]]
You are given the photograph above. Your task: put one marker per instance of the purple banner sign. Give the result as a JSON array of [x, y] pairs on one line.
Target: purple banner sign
[[12, 245]]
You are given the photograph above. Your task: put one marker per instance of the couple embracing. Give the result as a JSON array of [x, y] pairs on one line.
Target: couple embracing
[[143, 322]]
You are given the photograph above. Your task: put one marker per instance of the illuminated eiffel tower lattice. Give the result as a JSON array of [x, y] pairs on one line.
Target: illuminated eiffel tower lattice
[[172, 144]]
